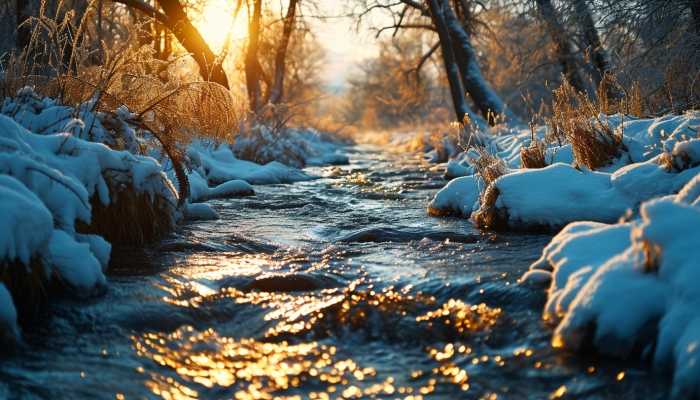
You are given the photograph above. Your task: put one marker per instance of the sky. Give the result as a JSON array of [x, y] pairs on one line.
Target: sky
[[345, 45]]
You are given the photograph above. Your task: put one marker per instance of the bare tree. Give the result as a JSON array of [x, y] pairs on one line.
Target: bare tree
[[481, 93], [461, 109], [276, 92], [175, 19], [562, 44], [598, 53]]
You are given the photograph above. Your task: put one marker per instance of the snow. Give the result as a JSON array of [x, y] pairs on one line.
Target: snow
[[200, 190], [660, 157], [558, 194], [294, 147], [459, 197], [26, 224], [75, 263], [201, 212], [630, 288], [218, 164]]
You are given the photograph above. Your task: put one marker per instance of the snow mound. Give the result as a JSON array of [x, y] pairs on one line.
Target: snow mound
[[26, 224], [631, 288], [200, 190], [661, 155], [290, 146], [219, 165], [459, 197], [200, 212]]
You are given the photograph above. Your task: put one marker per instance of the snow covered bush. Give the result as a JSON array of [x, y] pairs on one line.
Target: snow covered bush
[[293, 147], [60, 195], [130, 200], [630, 289]]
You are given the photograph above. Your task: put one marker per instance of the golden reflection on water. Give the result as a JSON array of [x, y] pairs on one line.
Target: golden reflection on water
[[463, 317], [289, 362]]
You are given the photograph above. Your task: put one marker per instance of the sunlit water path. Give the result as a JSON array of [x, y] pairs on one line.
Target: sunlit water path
[[341, 287]]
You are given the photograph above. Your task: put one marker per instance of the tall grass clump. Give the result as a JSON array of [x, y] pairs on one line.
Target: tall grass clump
[[62, 63], [534, 155], [580, 121], [489, 167]]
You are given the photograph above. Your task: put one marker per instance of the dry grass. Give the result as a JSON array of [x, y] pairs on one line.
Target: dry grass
[[28, 286], [488, 166], [577, 119], [57, 63], [131, 218], [533, 156], [488, 216], [613, 98]]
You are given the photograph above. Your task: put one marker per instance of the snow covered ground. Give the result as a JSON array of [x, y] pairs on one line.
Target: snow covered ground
[[58, 162], [660, 156], [631, 288]]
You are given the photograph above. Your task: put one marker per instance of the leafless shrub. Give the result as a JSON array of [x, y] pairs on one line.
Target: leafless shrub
[[533, 156], [613, 98]]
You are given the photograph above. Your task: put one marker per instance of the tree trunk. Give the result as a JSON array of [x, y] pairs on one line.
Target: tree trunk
[[253, 70], [695, 12], [190, 38], [458, 102], [483, 95], [562, 45], [277, 89], [599, 56]]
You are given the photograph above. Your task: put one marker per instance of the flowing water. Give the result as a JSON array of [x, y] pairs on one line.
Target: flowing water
[[341, 287]]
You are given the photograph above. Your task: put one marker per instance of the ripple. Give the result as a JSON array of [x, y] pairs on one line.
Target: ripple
[[387, 234]]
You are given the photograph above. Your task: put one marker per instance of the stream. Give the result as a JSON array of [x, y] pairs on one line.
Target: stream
[[340, 287]]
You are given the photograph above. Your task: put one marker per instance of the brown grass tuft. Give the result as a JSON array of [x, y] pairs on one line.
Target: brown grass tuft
[[487, 216], [533, 156], [28, 286], [488, 166], [577, 119], [131, 218]]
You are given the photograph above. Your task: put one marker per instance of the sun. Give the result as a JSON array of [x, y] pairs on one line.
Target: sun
[[215, 23]]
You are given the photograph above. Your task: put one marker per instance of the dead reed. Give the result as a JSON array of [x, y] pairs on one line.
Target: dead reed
[[578, 119]]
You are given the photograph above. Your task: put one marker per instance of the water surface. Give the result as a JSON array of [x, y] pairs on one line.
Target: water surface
[[340, 287]]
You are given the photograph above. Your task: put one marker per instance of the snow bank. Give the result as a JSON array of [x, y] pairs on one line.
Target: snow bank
[[26, 224], [661, 156], [218, 165], [294, 147], [51, 178], [200, 212], [200, 190], [631, 288], [459, 197]]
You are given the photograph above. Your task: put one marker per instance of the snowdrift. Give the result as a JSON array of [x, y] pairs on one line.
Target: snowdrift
[[659, 157], [630, 289]]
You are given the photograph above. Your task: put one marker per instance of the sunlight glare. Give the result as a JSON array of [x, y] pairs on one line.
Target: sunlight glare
[[214, 23]]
